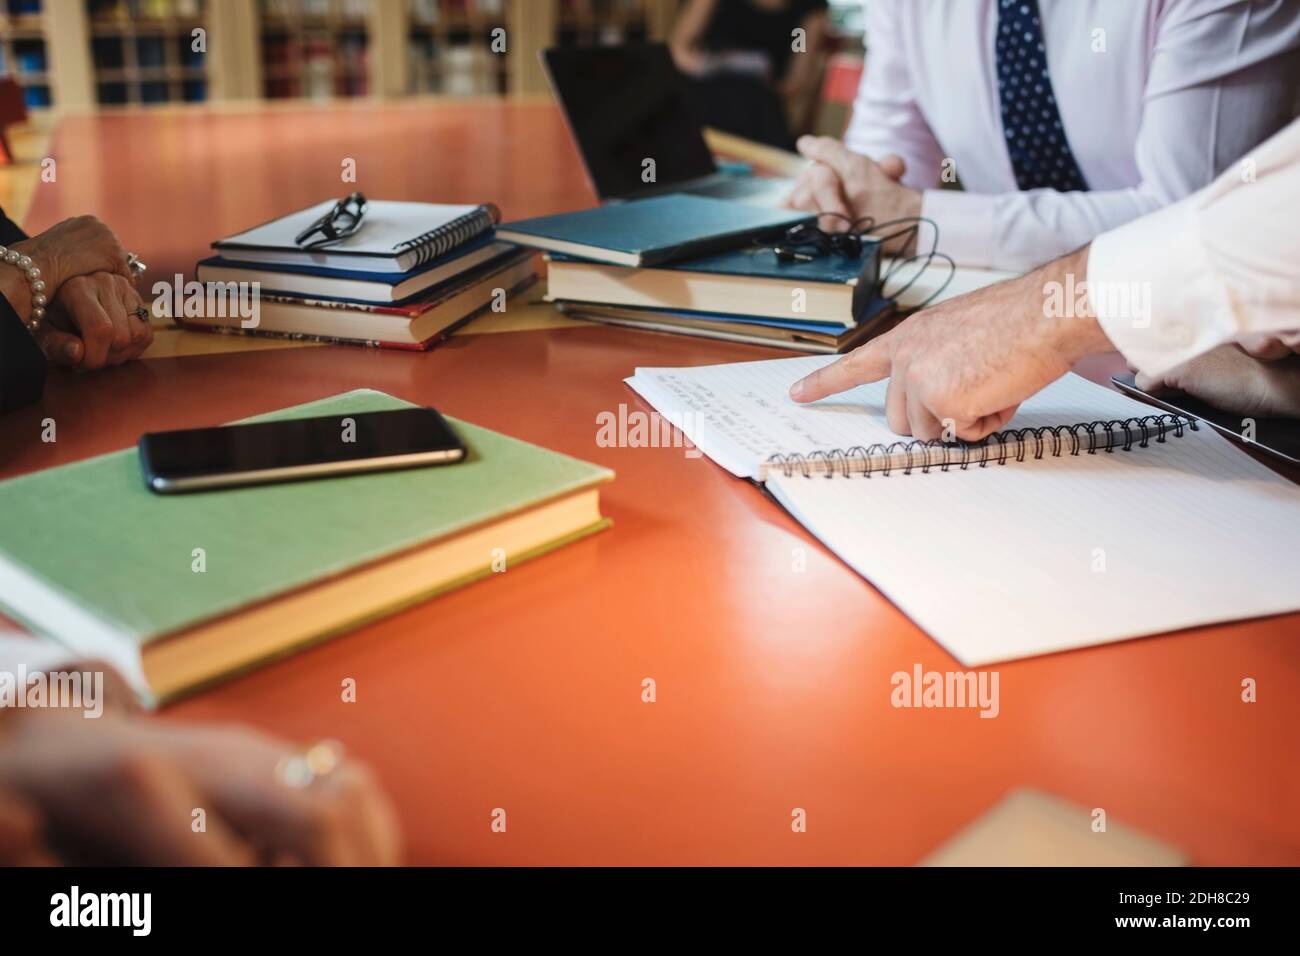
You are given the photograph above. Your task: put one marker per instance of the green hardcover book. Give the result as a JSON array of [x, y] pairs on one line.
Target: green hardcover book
[[179, 591]]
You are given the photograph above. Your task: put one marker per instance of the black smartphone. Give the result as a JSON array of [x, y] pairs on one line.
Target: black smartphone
[[200, 459]]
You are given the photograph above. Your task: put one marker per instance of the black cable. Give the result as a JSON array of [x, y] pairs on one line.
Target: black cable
[[912, 231], [809, 242]]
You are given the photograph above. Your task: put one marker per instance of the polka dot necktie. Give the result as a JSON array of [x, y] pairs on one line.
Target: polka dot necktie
[[1040, 153]]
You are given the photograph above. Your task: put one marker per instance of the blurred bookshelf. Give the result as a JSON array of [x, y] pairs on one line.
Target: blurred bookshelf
[[603, 22], [24, 54], [451, 47], [315, 49], [142, 51], [87, 54]]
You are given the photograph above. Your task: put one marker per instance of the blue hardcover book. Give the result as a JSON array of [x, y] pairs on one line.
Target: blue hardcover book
[[817, 328], [750, 280], [760, 261], [821, 337], [374, 288], [649, 232]]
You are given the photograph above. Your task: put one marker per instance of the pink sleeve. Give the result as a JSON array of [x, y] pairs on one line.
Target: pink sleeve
[[1219, 74], [886, 118], [1207, 270]]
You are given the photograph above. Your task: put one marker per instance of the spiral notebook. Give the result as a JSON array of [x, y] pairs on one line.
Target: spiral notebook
[[1093, 518], [394, 237]]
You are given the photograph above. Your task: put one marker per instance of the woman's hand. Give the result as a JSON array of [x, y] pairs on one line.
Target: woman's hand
[[127, 790], [90, 322], [74, 247], [22, 842]]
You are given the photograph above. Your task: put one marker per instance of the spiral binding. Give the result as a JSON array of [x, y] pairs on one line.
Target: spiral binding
[[450, 235], [999, 447]]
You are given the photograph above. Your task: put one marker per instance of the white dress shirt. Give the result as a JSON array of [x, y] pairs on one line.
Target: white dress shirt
[[1216, 266], [1157, 97]]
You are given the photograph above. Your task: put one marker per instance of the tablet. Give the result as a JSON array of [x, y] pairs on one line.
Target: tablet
[[1276, 436]]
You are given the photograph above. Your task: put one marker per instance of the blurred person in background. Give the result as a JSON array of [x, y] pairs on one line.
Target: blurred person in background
[[746, 61], [1220, 319], [1061, 119]]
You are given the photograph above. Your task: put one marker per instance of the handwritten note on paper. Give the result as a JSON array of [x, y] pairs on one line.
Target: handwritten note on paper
[[741, 414]]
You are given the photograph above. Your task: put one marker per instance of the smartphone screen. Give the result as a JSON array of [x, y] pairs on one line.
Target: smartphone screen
[[205, 458]]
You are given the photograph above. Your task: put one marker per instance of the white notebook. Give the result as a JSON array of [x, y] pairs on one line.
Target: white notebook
[[394, 237], [1036, 542]]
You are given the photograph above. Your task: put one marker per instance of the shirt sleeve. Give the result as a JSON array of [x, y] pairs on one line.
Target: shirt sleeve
[[31, 654], [1208, 270], [886, 118], [22, 364], [1222, 79]]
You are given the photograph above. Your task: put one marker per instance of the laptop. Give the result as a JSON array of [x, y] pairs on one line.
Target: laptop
[[629, 104]]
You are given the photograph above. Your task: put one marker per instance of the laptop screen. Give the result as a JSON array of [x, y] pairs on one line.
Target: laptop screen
[[626, 105]]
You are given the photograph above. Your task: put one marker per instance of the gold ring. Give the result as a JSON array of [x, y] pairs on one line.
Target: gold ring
[[299, 771]]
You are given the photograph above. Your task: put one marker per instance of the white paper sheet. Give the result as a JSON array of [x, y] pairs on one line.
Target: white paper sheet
[[1026, 558]]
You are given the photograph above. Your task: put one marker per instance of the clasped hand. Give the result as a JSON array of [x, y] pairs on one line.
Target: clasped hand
[[845, 186], [90, 321]]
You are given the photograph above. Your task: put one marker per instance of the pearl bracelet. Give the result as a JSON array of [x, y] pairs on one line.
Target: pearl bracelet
[[33, 274]]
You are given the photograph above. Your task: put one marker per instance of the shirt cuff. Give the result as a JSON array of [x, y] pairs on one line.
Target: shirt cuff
[[31, 654], [965, 223], [1155, 291]]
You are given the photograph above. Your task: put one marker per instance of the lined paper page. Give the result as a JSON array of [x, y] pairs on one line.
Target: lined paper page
[[1014, 560], [741, 414]]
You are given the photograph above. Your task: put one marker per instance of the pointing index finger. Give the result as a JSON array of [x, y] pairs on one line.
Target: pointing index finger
[[865, 364]]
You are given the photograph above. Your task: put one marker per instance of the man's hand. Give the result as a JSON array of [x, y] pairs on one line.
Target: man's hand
[[960, 369], [124, 790], [851, 185], [1235, 381], [90, 322], [1270, 346]]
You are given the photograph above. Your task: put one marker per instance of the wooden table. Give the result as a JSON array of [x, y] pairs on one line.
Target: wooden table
[[523, 692]]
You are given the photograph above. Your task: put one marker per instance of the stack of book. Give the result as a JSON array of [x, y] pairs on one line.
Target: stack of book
[[409, 277], [691, 265]]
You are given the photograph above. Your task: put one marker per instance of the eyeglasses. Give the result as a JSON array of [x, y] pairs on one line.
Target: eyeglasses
[[341, 221]]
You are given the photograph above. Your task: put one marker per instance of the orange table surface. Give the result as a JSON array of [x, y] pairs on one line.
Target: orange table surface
[[524, 691]]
